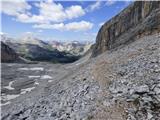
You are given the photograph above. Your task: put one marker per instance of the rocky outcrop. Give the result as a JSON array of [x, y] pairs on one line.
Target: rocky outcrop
[[139, 19], [7, 54]]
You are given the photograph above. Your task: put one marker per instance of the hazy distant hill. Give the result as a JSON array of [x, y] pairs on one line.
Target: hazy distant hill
[[73, 47], [7, 54], [35, 49]]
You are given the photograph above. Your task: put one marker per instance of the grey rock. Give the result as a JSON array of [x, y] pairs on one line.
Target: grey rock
[[157, 89], [154, 61], [132, 97], [157, 70], [147, 99], [149, 116], [142, 89]]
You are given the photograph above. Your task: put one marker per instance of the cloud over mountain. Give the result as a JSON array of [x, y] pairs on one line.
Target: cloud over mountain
[[74, 26]]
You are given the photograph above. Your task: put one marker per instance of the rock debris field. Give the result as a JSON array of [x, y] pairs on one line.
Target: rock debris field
[[120, 84]]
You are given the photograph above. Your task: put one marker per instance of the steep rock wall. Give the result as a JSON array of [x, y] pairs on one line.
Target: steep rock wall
[[139, 19]]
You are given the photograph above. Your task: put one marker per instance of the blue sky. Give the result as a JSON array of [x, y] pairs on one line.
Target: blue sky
[[57, 20]]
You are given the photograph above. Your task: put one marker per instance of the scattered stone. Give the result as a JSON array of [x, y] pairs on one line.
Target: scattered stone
[[147, 99], [132, 98], [122, 72], [154, 61], [53, 114], [157, 70], [149, 116], [157, 90], [142, 89]]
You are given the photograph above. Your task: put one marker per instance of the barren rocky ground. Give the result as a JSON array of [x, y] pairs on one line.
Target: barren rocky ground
[[120, 84]]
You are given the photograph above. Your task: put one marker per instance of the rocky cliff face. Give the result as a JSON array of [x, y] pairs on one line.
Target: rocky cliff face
[[139, 19], [7, 54]]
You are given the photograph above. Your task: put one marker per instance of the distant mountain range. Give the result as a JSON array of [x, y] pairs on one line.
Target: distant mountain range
[[35, 49], [76, 48]]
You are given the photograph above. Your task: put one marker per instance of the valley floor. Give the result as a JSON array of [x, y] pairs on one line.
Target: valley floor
[[120, 84]]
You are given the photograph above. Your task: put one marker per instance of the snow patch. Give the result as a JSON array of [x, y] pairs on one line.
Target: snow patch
[[36, 83], [6, 103], [80, 63], [23, 91], [50, 80], [23, 68], [9, 86], [33, 69], [33, 76], [9, 97], [46, 77], [10, 64], [37, 68]]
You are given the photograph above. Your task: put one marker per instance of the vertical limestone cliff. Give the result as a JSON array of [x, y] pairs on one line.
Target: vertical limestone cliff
[[139, 19]]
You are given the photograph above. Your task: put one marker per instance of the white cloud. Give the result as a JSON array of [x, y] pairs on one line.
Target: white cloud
[[52, 11], [57, 13], [100, 24], [74, 26], [50, 15], [94, 6], [40, 31], [49, 11], [14, 7], [58, 26], [99, 4], [74, 11], [31, 19], [2, 33], [79, 26], [110, 2], [127, 2]]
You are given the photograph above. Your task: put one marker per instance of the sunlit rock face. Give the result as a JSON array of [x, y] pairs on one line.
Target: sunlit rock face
[[139, 19]]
